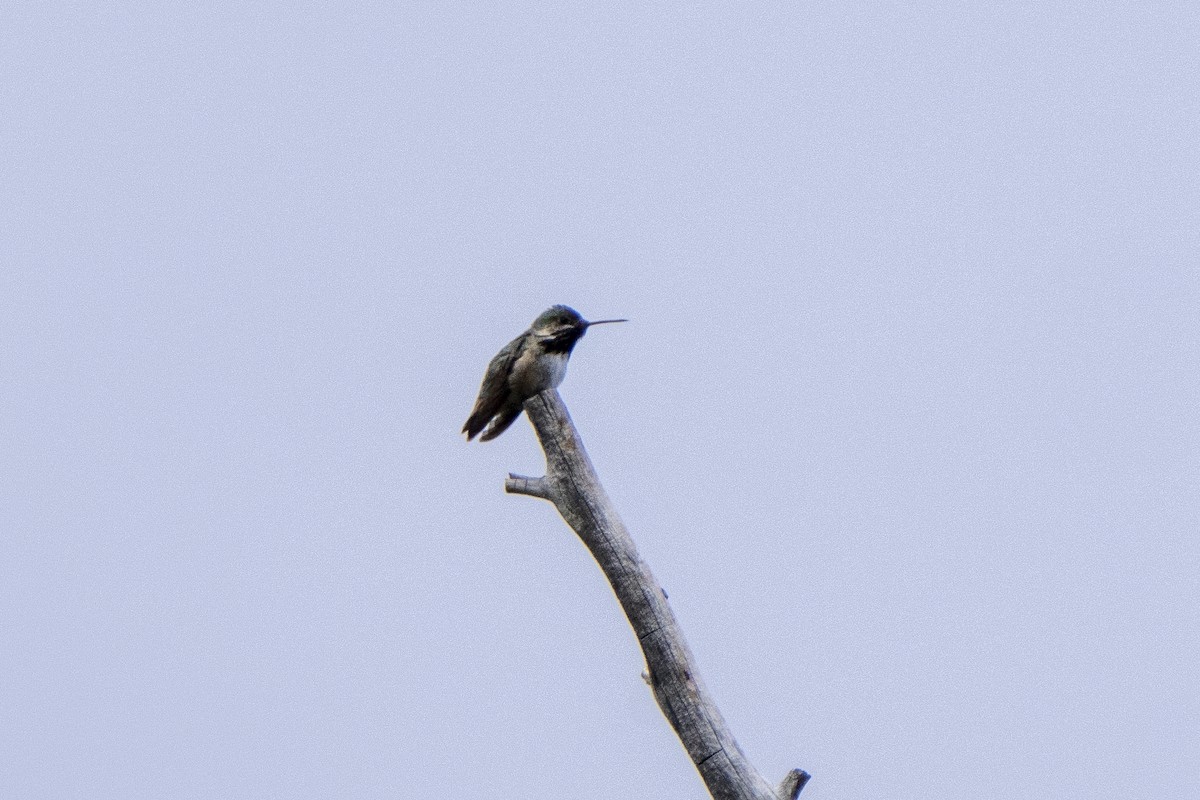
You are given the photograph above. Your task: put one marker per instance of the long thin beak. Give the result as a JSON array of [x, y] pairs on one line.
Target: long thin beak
[[603, 322]]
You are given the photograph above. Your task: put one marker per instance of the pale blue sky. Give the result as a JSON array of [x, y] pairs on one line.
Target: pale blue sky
[[905, 420]]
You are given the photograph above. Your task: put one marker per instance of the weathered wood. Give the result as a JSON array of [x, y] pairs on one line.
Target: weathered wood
[[572, 486]]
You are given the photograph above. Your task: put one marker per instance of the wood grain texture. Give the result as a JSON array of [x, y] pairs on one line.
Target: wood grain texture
[[572, 486]]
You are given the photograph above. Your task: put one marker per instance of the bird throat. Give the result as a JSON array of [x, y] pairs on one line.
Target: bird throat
[[563, 343]]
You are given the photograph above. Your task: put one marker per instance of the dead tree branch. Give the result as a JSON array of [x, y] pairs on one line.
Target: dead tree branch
[[572, 486]]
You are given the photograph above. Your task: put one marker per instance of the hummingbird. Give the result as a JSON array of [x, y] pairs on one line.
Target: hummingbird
[[528, 365]]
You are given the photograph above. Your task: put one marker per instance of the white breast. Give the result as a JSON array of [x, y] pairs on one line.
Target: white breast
[[535, 375], [553, 370]]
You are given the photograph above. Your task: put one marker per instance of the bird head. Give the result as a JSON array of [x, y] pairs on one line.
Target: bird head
[[563, 324]]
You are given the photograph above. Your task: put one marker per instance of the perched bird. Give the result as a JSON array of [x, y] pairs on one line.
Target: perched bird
[[528, 365]]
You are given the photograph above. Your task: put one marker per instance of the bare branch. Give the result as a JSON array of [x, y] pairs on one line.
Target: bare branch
[[534, 487], [571, 484], [792, 783]]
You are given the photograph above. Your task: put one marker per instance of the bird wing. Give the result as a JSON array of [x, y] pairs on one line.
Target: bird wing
[[493, 390]]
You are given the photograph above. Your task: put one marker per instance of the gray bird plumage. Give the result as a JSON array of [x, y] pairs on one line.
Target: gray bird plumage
[[528, 365]]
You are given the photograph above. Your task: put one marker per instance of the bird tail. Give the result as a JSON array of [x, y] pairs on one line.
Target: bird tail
[[500, 422], [476, 423]]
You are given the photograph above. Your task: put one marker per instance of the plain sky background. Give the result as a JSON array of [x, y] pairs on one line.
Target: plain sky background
[[905, 420]]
